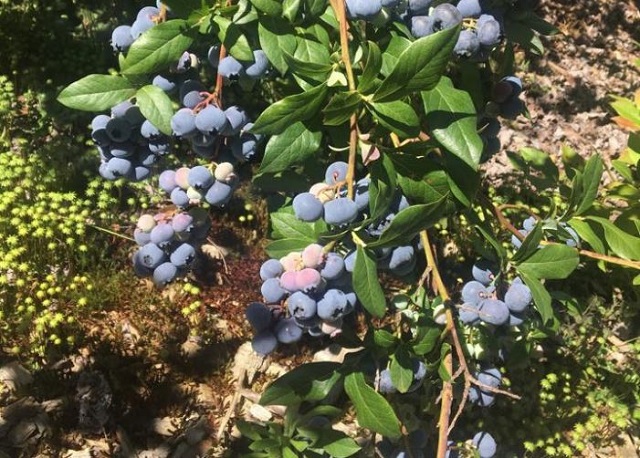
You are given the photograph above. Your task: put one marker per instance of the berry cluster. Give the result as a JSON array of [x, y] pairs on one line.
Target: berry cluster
[[124, 35], [190, 186], [482, 29], [128, 143], [480, 302], [328, 200], [168, 245], [308, 290], [206, 126], [232, 69]]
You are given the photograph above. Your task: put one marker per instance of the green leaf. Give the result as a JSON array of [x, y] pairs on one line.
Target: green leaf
[[285, 225], [409, 222], [293, 146], [452, 120], [586, 232], [432, 186], [314, 8], [233, 39], [96, 92], [156, 106], [290, 9], [519, 32], [283, 247], [290, 110], [367, 82], [336, 444], [627, 109], [577, 190], [251, 431], [270, 7], [182, 8], [372, 410], [157, 48], [315, 71], [308, 382], [530, 244], [625, 245], [486, 233], [401, 369], [541, 296], [426, 340], [539, 160], [422, 181], [419, 67], [392, 53], [463, 179], [382, 186], [288, 453], [308, 50], [443, 372], [276, 37], [366, 283], [552, 261], [397, 116], [340, 108], [383, 338], [590, 182]]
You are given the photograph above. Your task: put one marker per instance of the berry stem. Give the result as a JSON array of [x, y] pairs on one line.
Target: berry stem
[[109, 231], [445, 408], [341, 13]]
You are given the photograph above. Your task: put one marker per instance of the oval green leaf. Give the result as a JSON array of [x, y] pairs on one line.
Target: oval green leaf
[[156, 106], [372, 410], [96, 92], [157, 48]]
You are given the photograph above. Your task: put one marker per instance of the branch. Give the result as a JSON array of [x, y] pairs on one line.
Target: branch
[[341, 13], [445, 408], [505, 223], [445, 424]]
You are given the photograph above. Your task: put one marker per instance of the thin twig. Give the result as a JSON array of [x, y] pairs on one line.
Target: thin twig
[[341, 13], [505, 223]]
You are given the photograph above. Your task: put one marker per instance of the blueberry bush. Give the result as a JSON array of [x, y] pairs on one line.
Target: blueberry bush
[[372, 119]]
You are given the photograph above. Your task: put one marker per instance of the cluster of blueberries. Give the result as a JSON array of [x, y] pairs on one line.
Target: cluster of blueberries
[[481, 305], [308, 291], [127, 142], [124, 35], [482, 29], [328, 201], [191, 186], [168, 245], [208, 128]]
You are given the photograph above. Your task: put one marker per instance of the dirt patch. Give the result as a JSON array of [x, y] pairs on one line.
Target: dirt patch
[[568, 90]]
